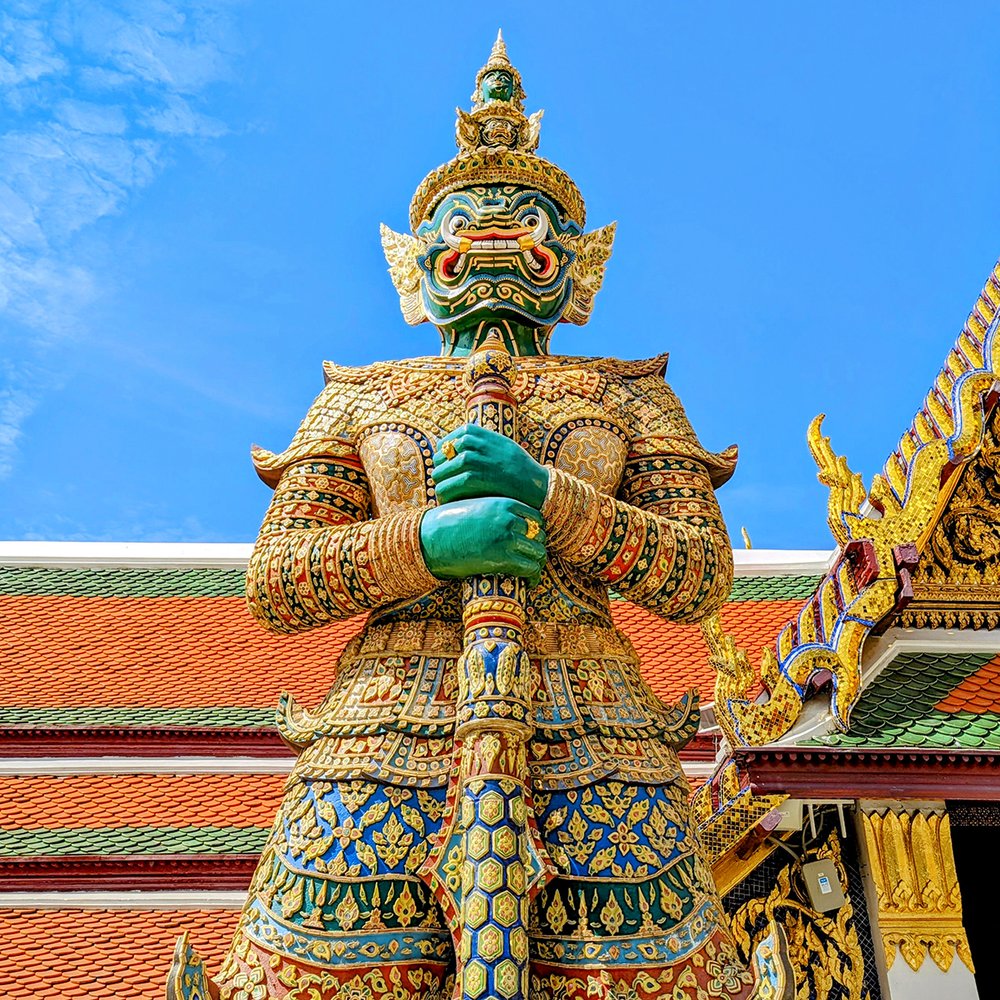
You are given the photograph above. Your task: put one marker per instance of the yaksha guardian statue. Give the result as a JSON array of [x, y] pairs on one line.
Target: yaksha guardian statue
[[488, 803]]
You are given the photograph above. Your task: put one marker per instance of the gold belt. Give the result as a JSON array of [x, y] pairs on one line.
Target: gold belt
[[545, 640]]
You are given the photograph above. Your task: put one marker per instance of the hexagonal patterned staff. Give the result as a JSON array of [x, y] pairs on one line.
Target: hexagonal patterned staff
[[491, 859]]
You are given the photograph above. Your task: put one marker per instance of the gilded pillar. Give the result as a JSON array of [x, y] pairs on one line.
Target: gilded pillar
[[916, 901]]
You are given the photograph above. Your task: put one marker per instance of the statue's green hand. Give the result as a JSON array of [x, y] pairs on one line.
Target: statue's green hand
[[474, 462], [483, 536]]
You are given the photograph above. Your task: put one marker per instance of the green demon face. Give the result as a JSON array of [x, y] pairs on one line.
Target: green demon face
[[497, 85], [496, 251]]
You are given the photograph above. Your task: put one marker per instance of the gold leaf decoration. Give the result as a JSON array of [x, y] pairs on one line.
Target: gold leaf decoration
[[823, 948], [592, 252], [919, 901], [401, 252]]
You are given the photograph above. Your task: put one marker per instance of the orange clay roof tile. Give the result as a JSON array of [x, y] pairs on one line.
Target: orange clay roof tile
[[169, 652], [118, 800], [205, 652], [978, 693], [675, 658], [102, 954]]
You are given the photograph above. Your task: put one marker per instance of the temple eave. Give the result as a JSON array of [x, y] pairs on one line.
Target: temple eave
[[864, 772]]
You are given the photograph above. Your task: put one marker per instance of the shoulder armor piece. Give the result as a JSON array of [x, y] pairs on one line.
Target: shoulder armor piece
[[355, 374], [270, 465], [638, 369]]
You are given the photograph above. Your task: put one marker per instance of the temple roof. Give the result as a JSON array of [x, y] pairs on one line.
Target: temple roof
[[929, 700], [137, 755], [886, 536], [887, 679], [96, 952], [154, 648], [136, 813]]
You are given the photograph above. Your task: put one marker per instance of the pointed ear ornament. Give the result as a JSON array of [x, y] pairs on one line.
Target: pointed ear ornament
[[587, 271], [401, 252]]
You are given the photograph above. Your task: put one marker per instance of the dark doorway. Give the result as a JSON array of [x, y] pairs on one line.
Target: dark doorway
[[975, 832]]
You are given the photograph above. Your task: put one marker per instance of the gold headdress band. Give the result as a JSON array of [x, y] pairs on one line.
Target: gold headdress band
[[496, 142]]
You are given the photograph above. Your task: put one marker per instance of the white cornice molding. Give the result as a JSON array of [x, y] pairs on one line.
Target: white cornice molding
[[61, 767], [58, 767], [234, 555], [783, 562], [698, 770], [132, 900], [126, 555], [880, 651]]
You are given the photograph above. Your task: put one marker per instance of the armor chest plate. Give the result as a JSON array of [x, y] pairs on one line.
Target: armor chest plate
[[398, 455], [398, 460], [591, 449]]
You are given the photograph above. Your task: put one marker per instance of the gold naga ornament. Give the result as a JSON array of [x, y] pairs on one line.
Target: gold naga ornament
[[889, 538]]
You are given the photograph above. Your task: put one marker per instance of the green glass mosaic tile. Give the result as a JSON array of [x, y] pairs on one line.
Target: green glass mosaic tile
[[134, 840]]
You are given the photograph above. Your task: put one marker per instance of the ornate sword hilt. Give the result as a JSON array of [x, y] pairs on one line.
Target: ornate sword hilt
[[493, 686]]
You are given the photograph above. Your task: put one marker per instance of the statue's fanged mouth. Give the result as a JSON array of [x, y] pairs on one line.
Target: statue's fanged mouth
[[487, 247]]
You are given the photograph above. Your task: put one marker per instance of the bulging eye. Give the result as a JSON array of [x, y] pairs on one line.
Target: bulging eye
[[531, 219], [456, 223]]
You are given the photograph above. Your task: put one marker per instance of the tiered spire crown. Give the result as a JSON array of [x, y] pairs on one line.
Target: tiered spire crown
[[497, 144], [499, 62]]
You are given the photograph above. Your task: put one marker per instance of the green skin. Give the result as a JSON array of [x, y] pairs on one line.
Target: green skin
[[469, 292], [487, 494], [492, 486], [498, 85]]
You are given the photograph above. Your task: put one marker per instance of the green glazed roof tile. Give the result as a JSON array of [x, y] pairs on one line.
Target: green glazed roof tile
[[134, 840], [898, 709], [134, 582], [137, 717], [774, 588], [40, 581]]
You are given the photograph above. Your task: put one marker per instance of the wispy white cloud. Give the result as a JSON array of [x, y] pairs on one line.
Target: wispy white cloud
[[93, 96], [29, 51], [16, 404], [177, 118], [145, 522]]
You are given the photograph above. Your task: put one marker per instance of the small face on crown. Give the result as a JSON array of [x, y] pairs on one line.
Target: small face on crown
[[496, 250], [497, 85]]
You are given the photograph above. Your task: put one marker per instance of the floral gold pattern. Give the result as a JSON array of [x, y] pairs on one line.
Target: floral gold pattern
[[824, 949]]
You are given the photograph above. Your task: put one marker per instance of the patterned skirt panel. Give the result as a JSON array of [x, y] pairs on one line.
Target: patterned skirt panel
[[338, 908]]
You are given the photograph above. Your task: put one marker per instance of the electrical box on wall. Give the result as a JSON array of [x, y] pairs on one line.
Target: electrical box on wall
[[823, 886], [789, 815]]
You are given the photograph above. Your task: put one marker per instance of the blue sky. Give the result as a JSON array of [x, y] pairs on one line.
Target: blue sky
[[190, 196]]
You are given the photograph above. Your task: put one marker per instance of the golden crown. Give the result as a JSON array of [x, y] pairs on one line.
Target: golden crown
[[497, 143]]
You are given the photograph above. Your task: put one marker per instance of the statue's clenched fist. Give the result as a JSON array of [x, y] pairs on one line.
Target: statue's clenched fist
[[474, 462], [483, 535]]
